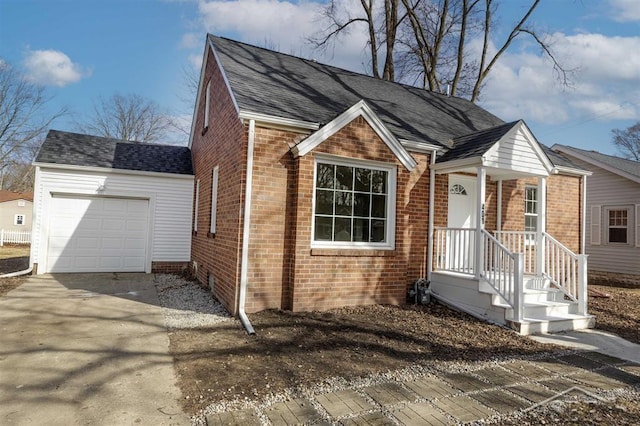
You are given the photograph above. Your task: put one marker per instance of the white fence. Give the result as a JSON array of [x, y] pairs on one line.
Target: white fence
[[14, 237]]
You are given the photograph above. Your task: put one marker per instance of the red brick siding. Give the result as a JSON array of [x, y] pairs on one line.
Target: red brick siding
[[224, 144], [325, 279], [169, 267]]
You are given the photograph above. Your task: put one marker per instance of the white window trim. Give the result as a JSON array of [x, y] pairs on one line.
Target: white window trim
[[637, 227], [195, 206], [391, 169], [608, 209], [214, 199], [15, 220], [207, 105]]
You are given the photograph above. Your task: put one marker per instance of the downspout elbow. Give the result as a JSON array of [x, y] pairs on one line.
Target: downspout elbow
[[18, 273]]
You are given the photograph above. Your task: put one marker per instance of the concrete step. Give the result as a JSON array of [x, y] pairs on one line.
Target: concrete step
[[552, 324]]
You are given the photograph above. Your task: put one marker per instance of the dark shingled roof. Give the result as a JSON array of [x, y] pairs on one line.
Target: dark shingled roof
[[268, 82], [76, 149], [629, 166], [477, 143]]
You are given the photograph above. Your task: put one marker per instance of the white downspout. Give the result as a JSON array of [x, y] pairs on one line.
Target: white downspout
[[244, 266], [432, 191], [583, 235]]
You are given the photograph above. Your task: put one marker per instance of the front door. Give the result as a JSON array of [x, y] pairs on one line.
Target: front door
[[461, 221]]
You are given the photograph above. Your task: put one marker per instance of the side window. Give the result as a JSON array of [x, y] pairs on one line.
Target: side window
[[617, 225], [530, 211], [214, 199], [207, 105], [195, 206], [18, 219]]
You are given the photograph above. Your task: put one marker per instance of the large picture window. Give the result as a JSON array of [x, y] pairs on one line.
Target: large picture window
[[354, 204]]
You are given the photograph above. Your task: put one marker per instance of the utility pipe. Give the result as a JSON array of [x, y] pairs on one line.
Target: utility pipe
[[244, 266]]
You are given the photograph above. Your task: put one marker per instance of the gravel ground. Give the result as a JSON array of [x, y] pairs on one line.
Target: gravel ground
[[220, 368], [185, 304]]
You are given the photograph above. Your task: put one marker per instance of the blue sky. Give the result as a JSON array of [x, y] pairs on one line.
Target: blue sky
[[83, 49]]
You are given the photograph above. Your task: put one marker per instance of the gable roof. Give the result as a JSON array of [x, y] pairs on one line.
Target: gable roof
[[279, 85], [360, 109], [74, 149], [629, 169], [12, 196], [476, 144]]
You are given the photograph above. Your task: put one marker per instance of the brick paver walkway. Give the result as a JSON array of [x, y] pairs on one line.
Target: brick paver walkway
[[445, 398]]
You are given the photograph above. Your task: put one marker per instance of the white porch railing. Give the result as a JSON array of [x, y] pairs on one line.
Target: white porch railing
[[504, 271], [14, 237], [520, 242], [566, 270], [507, 257]]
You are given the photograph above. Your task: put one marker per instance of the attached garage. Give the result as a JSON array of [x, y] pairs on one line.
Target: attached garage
[[105, 205], [98, 234]]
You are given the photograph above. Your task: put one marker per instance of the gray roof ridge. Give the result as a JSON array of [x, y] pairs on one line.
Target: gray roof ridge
[[116, 140], [354, 73]]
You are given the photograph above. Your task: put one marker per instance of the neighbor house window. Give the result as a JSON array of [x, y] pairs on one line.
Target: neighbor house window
[[617, 229], [354, 204], [19, 219], [214, 199]]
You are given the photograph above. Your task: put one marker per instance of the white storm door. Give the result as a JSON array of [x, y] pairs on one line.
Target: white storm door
[[461, 221], [97, 234]]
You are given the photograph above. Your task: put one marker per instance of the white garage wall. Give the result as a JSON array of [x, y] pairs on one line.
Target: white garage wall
[[170, 203]]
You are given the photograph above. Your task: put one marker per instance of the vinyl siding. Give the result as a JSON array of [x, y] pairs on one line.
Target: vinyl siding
[[607, 189], [8, 211], [515, 153], [170, 204]]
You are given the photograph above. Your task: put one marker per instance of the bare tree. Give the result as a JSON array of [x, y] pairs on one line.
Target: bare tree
[[128, 117], [428, 40], [628, 141], [23, 119]]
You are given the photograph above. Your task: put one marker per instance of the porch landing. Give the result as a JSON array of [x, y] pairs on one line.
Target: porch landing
[[545, 309]]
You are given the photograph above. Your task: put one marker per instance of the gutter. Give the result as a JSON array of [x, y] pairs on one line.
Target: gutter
[[244, 266], [432, 190]]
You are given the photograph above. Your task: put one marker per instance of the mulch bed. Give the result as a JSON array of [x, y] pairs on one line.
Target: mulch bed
[[222, 363], [618, 314], [14, 264]]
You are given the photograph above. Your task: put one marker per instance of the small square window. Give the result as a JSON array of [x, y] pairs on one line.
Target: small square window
[[19, 219]]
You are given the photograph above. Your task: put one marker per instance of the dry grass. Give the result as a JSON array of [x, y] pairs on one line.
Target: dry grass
[[7, 252]]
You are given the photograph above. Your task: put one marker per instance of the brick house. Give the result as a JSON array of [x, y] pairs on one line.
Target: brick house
[[318, 187]]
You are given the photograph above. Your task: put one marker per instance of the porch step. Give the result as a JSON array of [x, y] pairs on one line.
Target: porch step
[[552, 323], [531, 295]]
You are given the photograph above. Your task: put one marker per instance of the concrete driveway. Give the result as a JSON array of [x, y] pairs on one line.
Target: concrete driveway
[[86, 349]]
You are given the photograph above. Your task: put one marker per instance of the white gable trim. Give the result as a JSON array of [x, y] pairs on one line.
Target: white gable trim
[[531, 140], [279, 122], [597, 163], [359, 109], [205, 56]]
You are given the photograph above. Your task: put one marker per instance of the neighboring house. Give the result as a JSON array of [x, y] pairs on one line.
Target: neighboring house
[[15, 210], [318, 187], [106, 205], [612, 240]]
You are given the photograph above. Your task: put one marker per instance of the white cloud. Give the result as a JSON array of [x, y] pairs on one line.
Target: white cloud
[[191, 41], [606, 82], [625, 10], [52, 67], [283, 26]]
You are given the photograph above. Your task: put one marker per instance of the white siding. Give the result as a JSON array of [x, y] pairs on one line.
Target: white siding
[[610, 190], [516, 153], [170, 202]]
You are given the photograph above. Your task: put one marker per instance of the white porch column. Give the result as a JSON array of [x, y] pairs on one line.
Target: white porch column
[[541, 225], [480, 218], [499, 211]]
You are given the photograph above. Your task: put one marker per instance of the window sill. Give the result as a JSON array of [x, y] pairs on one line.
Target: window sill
[[352, 252]]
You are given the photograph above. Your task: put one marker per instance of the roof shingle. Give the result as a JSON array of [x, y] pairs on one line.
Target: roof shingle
[[76, 149]]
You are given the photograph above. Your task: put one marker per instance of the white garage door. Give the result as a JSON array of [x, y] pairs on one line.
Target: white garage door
[[97, 234]]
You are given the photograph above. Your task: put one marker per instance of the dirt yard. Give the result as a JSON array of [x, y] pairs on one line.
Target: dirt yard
[[222, 362], [619, 314]]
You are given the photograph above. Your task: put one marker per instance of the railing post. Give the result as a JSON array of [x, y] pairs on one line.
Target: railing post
[[582, 284], [518, 291]]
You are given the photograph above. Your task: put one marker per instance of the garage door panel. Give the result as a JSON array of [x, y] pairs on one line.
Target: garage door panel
[[98, 234]]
